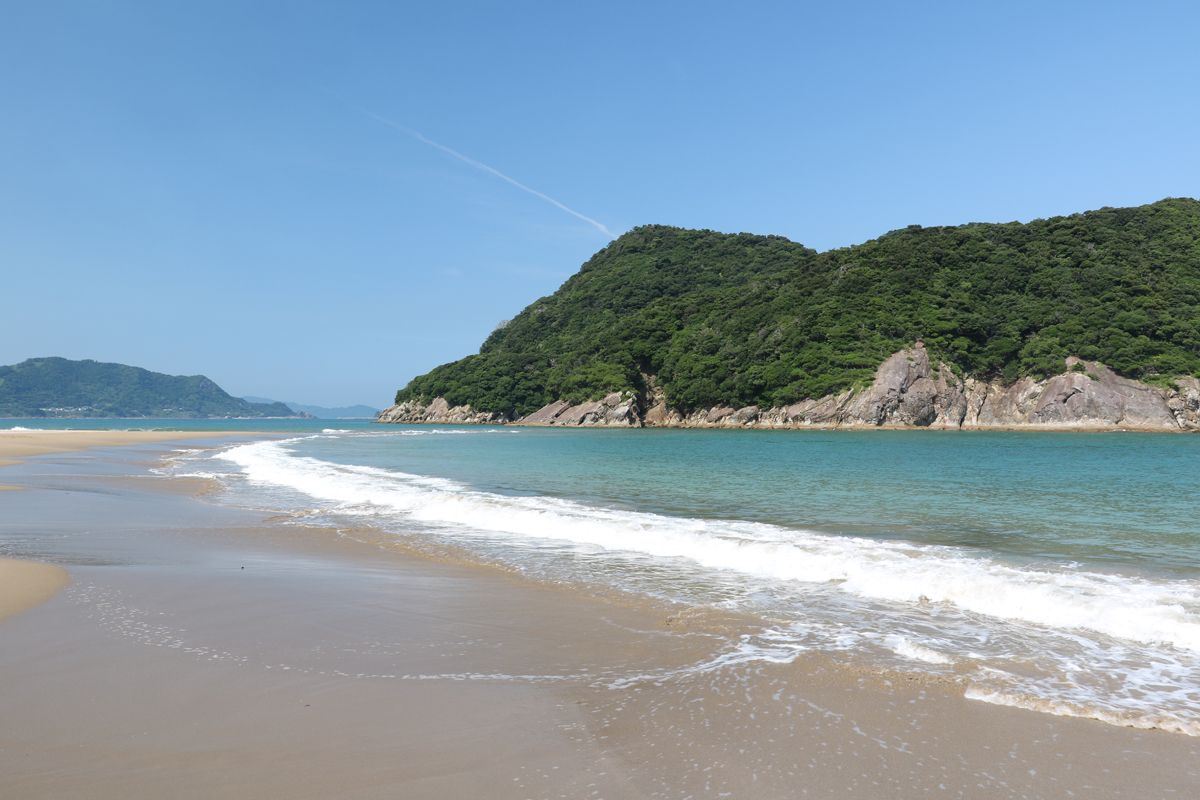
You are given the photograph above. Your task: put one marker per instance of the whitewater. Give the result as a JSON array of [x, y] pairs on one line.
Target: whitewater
[[1027, 627]]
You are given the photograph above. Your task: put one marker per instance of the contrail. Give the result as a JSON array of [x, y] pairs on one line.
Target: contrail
[[479, 165]]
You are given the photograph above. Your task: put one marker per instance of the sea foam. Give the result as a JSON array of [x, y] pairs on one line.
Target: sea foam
[[1122, 606], [1056, 638]]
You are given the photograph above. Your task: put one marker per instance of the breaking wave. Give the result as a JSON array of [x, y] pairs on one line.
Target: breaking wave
[[1122, 622]]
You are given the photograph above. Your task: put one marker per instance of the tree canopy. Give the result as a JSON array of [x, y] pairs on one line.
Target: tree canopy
[[740, 319]]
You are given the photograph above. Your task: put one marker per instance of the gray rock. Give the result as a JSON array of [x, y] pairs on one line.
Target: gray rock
[[1095, 398], [718, 414], [616, 409], [907, 391], [437, 412], [546, 415], [744, 416]]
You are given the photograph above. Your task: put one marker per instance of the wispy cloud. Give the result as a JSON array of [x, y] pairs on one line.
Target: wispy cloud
[[490, 170]]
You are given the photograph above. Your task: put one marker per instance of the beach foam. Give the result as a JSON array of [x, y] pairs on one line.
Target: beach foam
[[1122, 606], [1053, 615], [902, 646]]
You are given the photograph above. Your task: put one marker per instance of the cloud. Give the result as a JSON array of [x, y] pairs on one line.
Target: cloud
[[479, 165]]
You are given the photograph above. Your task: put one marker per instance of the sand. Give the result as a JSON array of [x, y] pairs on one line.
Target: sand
[[16, 445], [24, 584], [205, 651]]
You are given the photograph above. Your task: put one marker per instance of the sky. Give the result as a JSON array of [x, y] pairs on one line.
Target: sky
[[315, 202]]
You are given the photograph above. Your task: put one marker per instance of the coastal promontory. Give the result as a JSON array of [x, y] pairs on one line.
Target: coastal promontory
[[1084, 321]]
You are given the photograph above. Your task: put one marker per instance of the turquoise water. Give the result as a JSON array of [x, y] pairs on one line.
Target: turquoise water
[[1055, 572], [1128, 500]]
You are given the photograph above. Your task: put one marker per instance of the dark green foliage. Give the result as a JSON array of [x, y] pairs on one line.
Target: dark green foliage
[[57, 387], [737, 319]]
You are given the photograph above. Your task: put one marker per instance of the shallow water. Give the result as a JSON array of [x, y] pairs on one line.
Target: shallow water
[[1059, 572]]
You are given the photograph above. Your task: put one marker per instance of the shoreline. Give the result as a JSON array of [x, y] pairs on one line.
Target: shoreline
[[909, 390], [244, 656], [819, 427], [17, 445], [27, 583]]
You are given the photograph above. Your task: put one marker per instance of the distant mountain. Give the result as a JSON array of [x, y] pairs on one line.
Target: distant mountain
[[59, 387], [324, 412]]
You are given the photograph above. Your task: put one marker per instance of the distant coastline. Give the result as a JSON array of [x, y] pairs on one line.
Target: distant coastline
[[60, 388]]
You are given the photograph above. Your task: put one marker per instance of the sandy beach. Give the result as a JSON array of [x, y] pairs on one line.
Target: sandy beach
[[18, 444], [202, 650], [24, 584]]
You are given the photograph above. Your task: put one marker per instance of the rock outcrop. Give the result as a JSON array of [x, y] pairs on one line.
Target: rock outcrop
[[1088, 396], [439, 411], [619, 409], [907, 392]]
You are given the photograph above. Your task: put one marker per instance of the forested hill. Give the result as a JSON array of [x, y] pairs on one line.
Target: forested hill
[[738, 319], [58, 387]]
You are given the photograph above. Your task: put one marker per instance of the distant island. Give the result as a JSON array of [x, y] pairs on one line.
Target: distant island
[[1084, 321], [59, 387], [323, 412]]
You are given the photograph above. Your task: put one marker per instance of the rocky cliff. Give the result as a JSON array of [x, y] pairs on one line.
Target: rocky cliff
[[907, 392]]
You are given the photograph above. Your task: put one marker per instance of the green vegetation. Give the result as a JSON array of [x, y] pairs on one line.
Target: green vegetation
[[57, 387], [736, 319]]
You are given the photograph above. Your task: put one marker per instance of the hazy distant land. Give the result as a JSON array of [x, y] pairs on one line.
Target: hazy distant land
[[59, 387], [323, 412]]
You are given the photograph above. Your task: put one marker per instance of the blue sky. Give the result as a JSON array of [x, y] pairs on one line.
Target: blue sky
[[212, 187]]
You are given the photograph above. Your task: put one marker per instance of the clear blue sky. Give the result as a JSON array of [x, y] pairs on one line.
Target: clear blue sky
[[209, 187]]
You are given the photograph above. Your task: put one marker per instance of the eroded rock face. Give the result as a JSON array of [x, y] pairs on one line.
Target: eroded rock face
[[1089, 395], [1184, 403], [439, 411], [907, 391], [616, 409], [546, 415]]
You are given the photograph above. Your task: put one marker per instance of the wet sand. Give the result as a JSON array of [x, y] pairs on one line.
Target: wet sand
[[204, 651], [16, 445], [24, 584]]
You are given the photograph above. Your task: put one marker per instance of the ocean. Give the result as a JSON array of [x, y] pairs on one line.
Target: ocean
[[1056, 572]]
